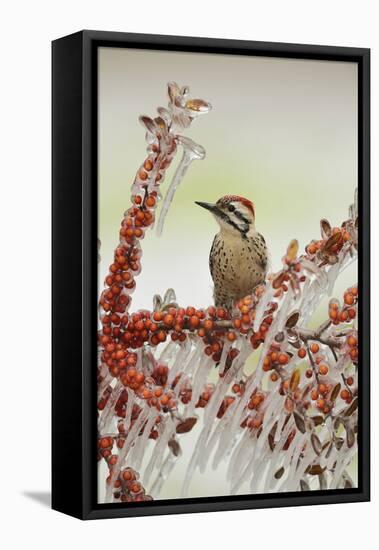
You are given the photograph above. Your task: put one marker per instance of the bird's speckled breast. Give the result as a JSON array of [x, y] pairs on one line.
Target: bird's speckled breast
[[237, 266]]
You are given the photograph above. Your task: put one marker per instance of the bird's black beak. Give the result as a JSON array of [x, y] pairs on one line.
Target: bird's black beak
[[209, 206]]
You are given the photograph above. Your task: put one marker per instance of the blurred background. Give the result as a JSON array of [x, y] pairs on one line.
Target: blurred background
[[282, 133]]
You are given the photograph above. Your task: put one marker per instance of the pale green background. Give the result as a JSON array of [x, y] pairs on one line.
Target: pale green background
[[282, 133]]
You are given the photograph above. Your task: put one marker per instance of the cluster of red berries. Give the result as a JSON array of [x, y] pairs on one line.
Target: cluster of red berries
[[105, 396], [274, 359], [333, 243], [352, 346], [348, 311], [205, 396], [128, 488], [120, 281], [348, 392], [104, 447], [323, 395], [255, 415], [319, 361]]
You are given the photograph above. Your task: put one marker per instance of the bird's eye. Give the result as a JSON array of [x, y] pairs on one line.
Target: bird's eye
[[231, 208]]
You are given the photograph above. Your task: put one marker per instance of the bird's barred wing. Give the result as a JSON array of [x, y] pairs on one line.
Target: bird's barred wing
[[260, 250], [212, 256]]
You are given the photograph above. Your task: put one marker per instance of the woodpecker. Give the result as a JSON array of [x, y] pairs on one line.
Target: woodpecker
[[238, 258]]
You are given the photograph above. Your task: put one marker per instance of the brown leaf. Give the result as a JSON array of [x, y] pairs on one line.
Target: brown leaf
[[296, 344], [333, 240], [174, 447], [278, 474], [299, 421], [326, 229], [186, 425], [350, 437], [292, 319], [316, 444], [148, 123], [271, 436], [295, 380], [352, 408], [315, 470], [335, 392]]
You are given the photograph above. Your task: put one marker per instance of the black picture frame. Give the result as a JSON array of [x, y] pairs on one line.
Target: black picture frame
[[74, 272]]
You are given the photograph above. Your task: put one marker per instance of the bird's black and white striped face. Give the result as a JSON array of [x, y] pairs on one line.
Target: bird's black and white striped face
[[233, 213]]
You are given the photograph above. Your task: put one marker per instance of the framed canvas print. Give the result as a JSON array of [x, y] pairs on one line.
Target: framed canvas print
[[210, 274]]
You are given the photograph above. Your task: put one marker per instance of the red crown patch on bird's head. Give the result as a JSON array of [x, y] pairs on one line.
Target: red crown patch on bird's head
[[227, 199]]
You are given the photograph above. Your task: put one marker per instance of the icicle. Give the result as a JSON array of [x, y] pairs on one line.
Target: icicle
[[293, 457], [246, 447], [129, 441], [262, 306], [226, 440], [104, 384], [332, 277], [198, 382], [260, 474], [193, 461], [140, 446], [129, 410], [191, 151], [231, 472], [107, 414], [160, 446], [186, 352], [240, 476], [276, 403], [307, 460], [170, 352], [163, 474]]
